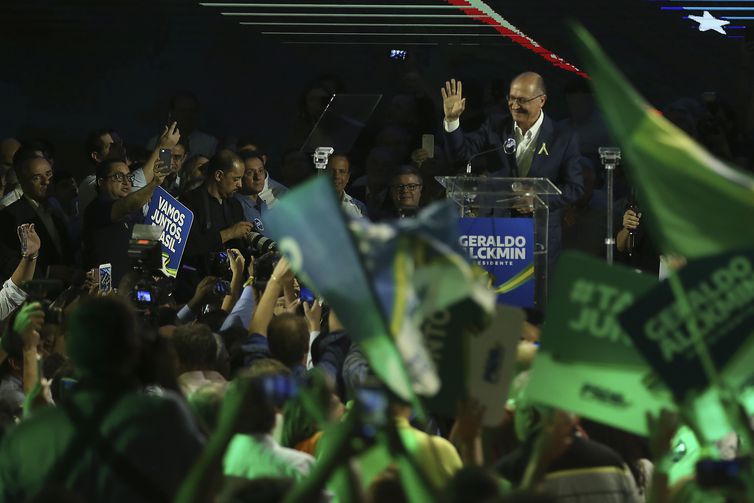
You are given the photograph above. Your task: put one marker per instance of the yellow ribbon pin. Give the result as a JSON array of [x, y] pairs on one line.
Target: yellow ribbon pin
[[543, 148]]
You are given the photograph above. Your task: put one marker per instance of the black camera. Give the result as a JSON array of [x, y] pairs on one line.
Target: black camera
[[263, 268], [222, 288], [219, 265], [260, 244], [145, 255], [40, 290]]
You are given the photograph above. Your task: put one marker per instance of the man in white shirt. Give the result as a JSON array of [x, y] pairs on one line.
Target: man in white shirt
[[11, 294], [256, 453], [339, 169]]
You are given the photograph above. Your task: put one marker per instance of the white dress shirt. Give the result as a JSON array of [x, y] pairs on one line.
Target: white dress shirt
[[259, 455], [11, 296], [526, 143], [11, 197]]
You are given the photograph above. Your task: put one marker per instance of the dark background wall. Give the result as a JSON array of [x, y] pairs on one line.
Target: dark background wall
[[72, 66]]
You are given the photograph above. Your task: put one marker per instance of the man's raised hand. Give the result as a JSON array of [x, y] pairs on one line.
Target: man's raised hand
[[236, 261], [453, 102], [28, 323], [170, 136]]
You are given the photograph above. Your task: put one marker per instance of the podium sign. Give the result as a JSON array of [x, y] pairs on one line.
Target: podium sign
[[504, 247]]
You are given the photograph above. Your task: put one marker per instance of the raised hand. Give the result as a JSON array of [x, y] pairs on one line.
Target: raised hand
[[662, 428], [170, 136], [204, 290], [453, 102], [28, 323], [33, 242], [313, 315], [419, 155], [236, 261], [160, 172], [282, 271]]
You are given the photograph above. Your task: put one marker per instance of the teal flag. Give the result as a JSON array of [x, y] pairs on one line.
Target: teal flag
[[383, 280]]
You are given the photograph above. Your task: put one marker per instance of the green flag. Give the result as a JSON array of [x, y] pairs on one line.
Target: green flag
[[587, 364], [695, 204]]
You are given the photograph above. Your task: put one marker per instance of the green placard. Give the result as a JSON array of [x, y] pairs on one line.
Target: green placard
[[587, 364], [720, 293], [445, 336]]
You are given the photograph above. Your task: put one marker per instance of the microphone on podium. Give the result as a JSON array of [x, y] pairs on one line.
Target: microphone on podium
[[509, 147]]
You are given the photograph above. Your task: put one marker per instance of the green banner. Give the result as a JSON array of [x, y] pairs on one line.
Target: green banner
[[587, 364], [720, 294]]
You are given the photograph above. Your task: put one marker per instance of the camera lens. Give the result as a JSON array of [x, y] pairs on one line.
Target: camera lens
[[260, 243]]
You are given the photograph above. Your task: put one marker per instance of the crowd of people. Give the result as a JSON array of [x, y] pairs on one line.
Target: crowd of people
[[230, 383]]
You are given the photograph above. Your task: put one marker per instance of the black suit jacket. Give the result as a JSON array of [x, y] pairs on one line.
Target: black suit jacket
[[22, 212], [556, 157], [204, 237]]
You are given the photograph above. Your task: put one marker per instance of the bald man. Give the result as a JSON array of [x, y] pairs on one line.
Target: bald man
[[530, 144]]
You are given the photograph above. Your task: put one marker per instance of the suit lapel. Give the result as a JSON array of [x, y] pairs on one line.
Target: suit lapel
[[508, 160], [541, 148]]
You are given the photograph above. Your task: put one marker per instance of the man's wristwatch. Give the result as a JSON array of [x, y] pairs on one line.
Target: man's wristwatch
[[31, 258]]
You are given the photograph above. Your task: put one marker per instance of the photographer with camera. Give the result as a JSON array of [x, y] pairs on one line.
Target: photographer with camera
[[109, 219], [11, 295], [218, 217]]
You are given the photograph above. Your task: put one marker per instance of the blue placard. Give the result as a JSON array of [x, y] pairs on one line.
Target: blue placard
[[505, 248], [175, 220]]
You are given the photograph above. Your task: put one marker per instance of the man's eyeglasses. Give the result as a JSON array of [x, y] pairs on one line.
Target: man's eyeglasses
[[410, 187], [122, 177], [521, 101]]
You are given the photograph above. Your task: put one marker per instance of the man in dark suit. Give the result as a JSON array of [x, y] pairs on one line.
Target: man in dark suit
[[34, 176], [530, 144]]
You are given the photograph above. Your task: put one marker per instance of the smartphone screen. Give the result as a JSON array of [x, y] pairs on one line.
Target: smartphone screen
[[222, 287], [279, 388], [306, 295], [722, 473], [105, 278], [428, 144], [166, 156], [144, 296], [374, 409]]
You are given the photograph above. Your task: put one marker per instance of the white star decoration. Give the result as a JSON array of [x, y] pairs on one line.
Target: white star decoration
[[709, 22]]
